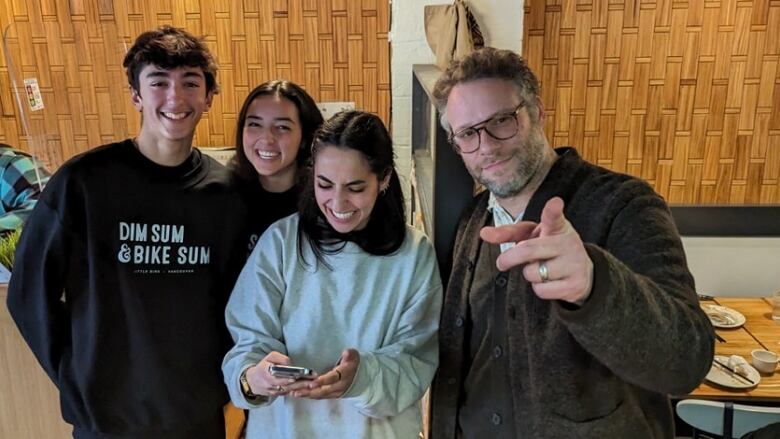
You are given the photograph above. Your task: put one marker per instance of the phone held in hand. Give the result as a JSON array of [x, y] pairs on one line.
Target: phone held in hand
[[294, 372]]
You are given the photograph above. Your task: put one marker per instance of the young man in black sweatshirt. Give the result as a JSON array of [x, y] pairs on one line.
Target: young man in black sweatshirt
[[125, 265]]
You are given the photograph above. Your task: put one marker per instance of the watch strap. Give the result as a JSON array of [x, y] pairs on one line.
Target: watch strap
[[247, 390]]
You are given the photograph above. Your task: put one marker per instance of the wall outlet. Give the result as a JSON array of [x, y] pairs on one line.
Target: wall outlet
[[328, 109]]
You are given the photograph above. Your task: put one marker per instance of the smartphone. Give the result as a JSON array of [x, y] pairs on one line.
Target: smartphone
[[295, 372]]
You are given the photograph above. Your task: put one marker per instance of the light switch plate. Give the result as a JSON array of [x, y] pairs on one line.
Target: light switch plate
[[328, 109]]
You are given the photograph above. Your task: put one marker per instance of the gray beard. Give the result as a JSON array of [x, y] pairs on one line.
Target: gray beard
[[531, 160], [508, 189]]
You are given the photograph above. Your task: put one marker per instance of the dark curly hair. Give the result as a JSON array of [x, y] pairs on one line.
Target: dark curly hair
[[308, 113], [386, 228], [169, 47], [484, 63]]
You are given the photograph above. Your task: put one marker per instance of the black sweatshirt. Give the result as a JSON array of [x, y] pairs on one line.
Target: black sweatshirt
[[121, 278], [265, 208]]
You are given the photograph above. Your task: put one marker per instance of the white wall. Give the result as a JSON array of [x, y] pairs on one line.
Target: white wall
[[501, 22], [734, 266]]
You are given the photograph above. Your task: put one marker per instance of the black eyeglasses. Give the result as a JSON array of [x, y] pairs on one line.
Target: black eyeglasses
[[500, 127]]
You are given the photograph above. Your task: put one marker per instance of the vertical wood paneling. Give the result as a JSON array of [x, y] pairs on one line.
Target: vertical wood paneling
[[683, 94], [337, 49]]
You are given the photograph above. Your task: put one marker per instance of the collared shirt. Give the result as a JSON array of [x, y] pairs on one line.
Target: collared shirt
[[21, 180], [502, 218]]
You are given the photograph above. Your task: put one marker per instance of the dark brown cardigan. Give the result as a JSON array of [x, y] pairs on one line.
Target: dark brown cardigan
[[603, 370]]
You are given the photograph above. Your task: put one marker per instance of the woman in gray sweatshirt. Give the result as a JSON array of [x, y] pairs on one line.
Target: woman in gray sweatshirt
[[344, 288]]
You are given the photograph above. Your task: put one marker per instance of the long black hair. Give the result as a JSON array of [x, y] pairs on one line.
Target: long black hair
[[308, 113], [386, 228]]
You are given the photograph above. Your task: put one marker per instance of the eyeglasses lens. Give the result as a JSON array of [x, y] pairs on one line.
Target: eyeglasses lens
[[500, 127]]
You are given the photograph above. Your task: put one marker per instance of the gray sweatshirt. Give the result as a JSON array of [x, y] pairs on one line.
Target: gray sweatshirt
[[386, 307]]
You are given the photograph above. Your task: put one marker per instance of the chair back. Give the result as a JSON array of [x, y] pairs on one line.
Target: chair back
[[727, 420]]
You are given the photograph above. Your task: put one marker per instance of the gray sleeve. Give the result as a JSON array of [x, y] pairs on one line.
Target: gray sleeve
[[255, 329]]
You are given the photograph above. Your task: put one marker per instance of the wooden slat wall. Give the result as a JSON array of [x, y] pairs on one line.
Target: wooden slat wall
[[337, 49], [683, 94]]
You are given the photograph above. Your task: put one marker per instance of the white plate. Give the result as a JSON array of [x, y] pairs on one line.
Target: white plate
[[723, 317], [723, 377]]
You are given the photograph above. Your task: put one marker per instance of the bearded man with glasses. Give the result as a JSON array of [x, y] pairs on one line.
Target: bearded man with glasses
[[570, 310]]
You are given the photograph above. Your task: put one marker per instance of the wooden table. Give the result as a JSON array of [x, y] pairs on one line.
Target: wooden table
[[758, 332]]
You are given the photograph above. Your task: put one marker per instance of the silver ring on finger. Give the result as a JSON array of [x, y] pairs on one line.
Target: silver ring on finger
[[544, 274], [279, 388]]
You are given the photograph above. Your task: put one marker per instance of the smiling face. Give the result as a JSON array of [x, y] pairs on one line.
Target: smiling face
[[171, 102], [272, 137], [506, 166], [345, 188]]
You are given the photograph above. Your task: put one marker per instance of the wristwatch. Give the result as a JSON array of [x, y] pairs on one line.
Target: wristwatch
[[247, 391]]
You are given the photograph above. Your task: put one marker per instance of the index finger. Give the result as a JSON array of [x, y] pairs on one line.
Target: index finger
[[553, 221], [276, 357], [325, 386], [509, 233], [298, 385], [331, 377]]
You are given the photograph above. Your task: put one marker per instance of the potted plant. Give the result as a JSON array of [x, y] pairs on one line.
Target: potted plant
[[7, 248]]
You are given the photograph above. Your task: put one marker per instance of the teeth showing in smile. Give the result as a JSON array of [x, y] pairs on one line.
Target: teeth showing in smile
[[174, 116], [267, 154], [343, 215]]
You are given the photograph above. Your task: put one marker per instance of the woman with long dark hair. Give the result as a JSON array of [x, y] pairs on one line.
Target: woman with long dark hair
[[346, 289], [274, 131]]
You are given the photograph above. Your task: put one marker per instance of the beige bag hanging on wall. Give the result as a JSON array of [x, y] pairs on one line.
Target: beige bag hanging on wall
[[451, 31]]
